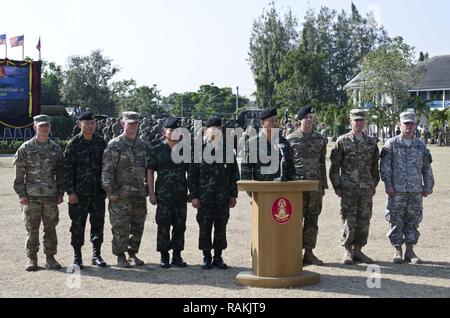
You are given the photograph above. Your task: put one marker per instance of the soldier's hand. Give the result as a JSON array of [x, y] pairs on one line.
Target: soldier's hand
[[233, 202], [390, 192], [73, 198], [24, 201], [195, 203], [114, 198], [426, 194], [59, 199], [153, 199], [338, 193]]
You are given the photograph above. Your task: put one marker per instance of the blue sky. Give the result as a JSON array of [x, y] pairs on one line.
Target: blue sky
[[181, 44]]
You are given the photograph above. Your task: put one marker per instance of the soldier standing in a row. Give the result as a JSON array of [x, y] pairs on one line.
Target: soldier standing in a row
[[309, 150], [39, 185], [170, 197], [82, 178], [354, 174], [124, 181]]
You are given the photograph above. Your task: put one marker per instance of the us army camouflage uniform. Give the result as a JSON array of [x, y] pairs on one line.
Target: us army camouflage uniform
[[408, 170], [309, 152], [124, 175], [39, 177], [171, 193], [354, 172]]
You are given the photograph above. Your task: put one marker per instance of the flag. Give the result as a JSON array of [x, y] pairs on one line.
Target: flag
[[16, 41], [38, 46], [2, 39]]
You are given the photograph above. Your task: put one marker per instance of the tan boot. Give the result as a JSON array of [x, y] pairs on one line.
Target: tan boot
[[122, 261], [348, 256], [398, 256], [310, 259], [32, 263], [410, 256], [358, 255], [52, 263]]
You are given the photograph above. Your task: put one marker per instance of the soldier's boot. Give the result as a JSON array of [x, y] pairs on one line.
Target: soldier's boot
[[218, 260], [97, 259], [134, 260], [310, 259], [359, 256], [165, 260], [207, 259], [410, 256], [32, 263], [177, 260], [52, 263], [77, 259], [122, 261], [348, 256], [398, 256]]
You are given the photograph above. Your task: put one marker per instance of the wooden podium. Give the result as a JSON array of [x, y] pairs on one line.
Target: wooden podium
[[277, 239]]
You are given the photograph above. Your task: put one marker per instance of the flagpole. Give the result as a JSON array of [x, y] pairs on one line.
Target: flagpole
[[6, 46], [23, 49], [40, 46]]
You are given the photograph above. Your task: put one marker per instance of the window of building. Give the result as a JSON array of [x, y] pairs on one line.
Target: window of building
[[423, 95], [436, 95], [447, 95]]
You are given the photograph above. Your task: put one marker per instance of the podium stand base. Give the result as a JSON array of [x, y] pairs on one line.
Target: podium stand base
[[250, 279]]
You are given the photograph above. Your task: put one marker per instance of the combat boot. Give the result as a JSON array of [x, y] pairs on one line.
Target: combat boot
[[310, 259], [122, 261], [52, 263], [207, 259], [398, 256], [358, 255], [165, 260], [348, 256], [218, 261], [134, 260], [32, 263], [177, 260], [77, 259], [97, 259], [410, 256]]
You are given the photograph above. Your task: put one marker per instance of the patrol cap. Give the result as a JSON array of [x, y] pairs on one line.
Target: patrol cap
[[42, 119], [408, 117], [86, 116], [172, 123], [357, 114], [268, 113], [213, 122], [130, 117], [305, 111]]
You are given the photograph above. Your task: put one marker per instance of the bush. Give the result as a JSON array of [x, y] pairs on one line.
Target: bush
[[62, 127], [10, 147]]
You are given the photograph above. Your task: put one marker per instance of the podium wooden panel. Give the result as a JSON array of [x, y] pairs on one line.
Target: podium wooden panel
[[277, 248]]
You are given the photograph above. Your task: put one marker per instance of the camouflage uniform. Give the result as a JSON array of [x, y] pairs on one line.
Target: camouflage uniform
[[408, 170], [171, 193], [354, 172], [39, 177], [309, 152], [124, 175]]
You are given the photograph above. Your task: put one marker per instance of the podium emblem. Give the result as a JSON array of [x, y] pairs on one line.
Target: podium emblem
[[282, 210]]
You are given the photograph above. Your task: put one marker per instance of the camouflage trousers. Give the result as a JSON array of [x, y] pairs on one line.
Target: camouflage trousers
[[40, 209], [127, 217], [211, 215], [404, 214], [312, 207], [356, 212], [167, 216], [95, 208]]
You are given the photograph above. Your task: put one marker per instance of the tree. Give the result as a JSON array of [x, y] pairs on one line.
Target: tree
[[51, 84], [144, 100]]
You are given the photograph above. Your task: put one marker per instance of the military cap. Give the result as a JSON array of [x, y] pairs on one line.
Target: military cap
[[86, 116], [130, 117], [42, 119], [357, 114], [213, 122], [408, 117], [305, 111], [172, 123], [268, 113]]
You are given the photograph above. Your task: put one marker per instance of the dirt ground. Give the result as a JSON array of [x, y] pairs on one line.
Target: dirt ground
[[431, 279]]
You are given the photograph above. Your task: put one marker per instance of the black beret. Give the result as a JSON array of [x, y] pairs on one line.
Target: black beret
[[213, 122], [268, 113], [172, 123], [305, 111], [86, 116]]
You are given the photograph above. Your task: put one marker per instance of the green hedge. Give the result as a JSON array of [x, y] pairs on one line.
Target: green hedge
[[10, 147]]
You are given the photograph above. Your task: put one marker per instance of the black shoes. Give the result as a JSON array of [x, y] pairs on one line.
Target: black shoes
[[218, 262], [207, 262], [177, 260], [165, 262]]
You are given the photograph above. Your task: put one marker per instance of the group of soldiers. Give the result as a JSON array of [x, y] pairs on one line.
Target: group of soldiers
[[90, 170]]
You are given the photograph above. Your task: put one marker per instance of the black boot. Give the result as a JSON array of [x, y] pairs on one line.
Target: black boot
[[97, 260], [177, 260], [207, 259], [78, 259], [218, 261], [165, 260]]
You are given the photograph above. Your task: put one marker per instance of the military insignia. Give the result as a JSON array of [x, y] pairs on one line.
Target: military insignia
[[282, 210]]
